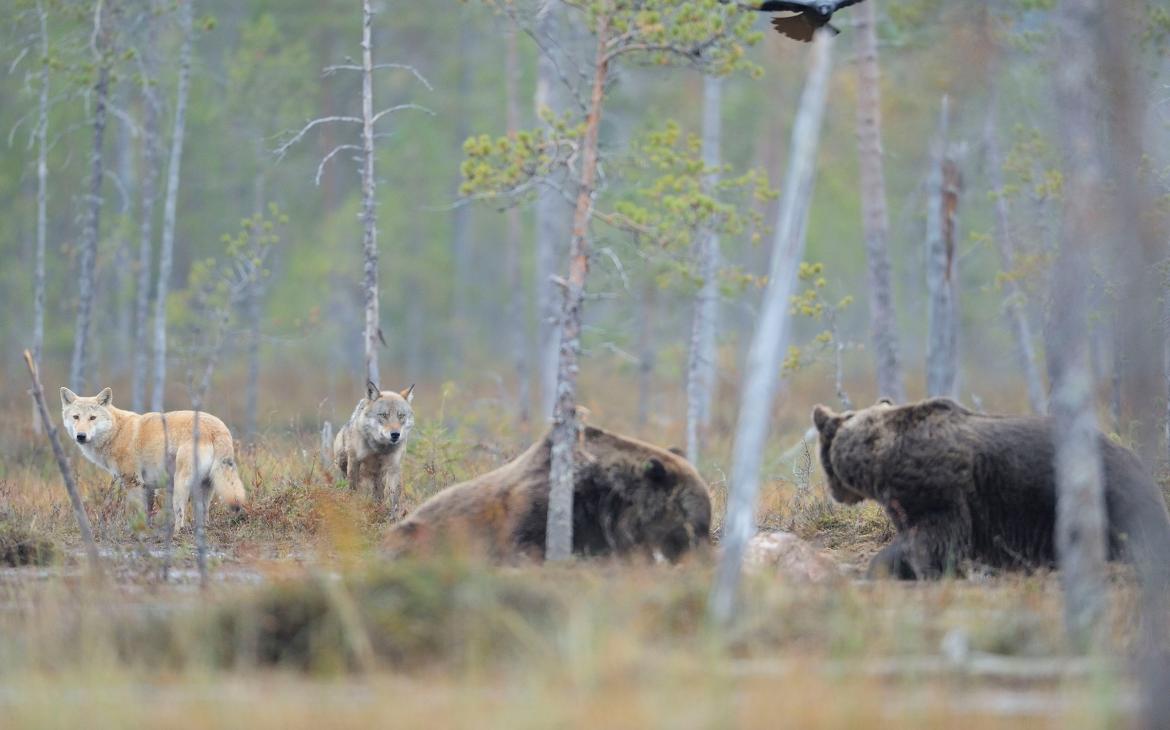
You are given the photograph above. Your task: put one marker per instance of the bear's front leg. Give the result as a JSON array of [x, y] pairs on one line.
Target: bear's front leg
[[928, 550]]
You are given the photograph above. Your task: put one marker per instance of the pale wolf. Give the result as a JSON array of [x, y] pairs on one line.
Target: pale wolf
[[369, 449], [131, 447]]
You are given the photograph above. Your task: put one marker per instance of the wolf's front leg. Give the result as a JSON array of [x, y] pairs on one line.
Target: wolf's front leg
[[139, 497]]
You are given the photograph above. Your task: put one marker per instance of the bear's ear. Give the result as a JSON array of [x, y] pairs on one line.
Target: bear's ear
[[372, 390], [408, 394], [678, 451], [104, 397], [655, 471], [67, 396], [884, 402], [822, 417]]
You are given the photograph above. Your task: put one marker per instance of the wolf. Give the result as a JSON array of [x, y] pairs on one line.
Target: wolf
[[368, 449], [133, 447]]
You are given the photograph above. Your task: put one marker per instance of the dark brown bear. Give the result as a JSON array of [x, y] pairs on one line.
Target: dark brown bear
[[630, 497], [962, 486]]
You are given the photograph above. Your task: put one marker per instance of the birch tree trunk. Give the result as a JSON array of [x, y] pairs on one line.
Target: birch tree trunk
[[874, 216], [149, 190], [38, 343], [704, 323], [1080, 513], [646, 352], [79, 364], [517, 311], [372, 333], [254, 305], [559, 530], [461, 230], [759, 388], [941, 273], [170, 206], [551, 216], [1013, 304]]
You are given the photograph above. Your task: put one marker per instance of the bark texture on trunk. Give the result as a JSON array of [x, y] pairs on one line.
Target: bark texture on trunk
[[517, 309], [751, 432], [371, 334], [941, 267], [38, 343], [170, 208], [874, 214], [704, 322], [559, 530], [1014, 305], [1080, 513], [87, 260], [552, 216], [148, 199]]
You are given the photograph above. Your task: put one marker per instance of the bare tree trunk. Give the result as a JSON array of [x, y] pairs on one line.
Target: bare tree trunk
[[874, 216], [166, 252], [198, 497], [1080, 514], [941, 268], [551, 217], [647, 353], [702, 351], [1014, 307], [461, 230], [559, 530], [79, 365], [122, 267], [372, 334], [38, 343], [517, 311], [150, 171], [751, 432], [254, 305]]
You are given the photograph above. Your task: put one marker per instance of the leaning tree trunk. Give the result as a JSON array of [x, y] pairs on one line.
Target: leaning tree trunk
[[1080, 515], [1014, 307], [170, 207], [150, 170], [559, 530], [516, 304], [38, 343], [702, 351], [551, 215], [79, 365], [874, 216], [941, 268], [751, 432], [371, 334]]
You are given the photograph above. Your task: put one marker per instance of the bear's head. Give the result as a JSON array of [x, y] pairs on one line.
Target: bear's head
[[632, 496], [854, 444]]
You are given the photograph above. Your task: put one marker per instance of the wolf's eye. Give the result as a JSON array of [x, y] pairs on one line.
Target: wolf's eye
[[76, 417], [401, 416], [93, 418]]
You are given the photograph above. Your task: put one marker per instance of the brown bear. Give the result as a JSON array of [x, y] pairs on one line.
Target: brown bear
[[962, 486], [630, 498]]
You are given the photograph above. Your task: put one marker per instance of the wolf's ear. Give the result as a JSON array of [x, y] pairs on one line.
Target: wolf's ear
[[67, 396], [372, 391], [408, 394], [104, 397]]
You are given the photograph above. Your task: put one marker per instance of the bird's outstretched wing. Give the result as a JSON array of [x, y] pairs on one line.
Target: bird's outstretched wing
[[796, 27], [773, 6], [844, 4]]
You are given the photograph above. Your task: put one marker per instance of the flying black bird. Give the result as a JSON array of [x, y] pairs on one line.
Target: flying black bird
[[809, 16]]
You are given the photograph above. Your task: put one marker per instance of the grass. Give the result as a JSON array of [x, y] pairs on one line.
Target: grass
[[303, 625]]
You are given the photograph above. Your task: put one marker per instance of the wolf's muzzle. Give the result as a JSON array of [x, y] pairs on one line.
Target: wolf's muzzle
[[81, 438]]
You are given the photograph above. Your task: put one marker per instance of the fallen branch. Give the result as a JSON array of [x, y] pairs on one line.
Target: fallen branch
[[38, 394]]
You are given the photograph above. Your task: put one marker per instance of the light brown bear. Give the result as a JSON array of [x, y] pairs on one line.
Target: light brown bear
[[629, 498]]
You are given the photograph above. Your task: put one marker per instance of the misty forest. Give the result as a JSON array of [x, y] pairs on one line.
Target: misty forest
[[585, 363]]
